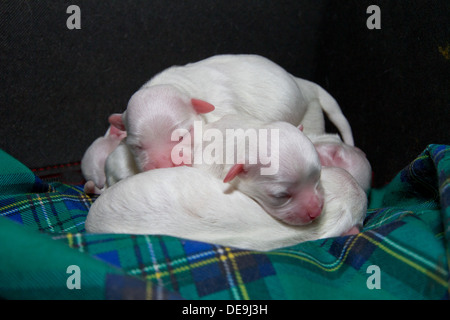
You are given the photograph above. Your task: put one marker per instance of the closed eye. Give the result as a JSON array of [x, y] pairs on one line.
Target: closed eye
[[280, 198], [282, 195]]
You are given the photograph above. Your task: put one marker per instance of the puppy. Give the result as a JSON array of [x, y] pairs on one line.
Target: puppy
[[334, 153], [190, 203], [93, 161], [244, 85], [119, 165], [273, 163]]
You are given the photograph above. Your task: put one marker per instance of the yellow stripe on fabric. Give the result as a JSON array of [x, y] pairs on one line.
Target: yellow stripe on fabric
[[318, 264], [47, 219], [388, 216], [158, 275], [419, 268], [156, 267], [25, 204], [70, 239], [417, 257], [241, 284], [161, 274], [445, 183], [17, 205]]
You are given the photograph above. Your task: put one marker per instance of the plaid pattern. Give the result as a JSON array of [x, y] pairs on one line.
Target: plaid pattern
[[406, 234]]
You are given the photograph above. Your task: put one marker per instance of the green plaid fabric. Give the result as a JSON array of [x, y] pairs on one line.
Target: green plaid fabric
[[401, 253]]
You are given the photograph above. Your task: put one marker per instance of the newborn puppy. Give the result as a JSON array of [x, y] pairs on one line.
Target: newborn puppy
[[151, 118], [334, 153], [273, 163], [247, 85], [119, 165], [93, 161], [189, 203], [254, 85]]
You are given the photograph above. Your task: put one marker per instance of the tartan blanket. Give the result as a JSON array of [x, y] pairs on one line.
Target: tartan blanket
[[401, 253]]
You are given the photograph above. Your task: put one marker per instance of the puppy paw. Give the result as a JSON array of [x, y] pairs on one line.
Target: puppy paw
[[354, 230], [91, 188]]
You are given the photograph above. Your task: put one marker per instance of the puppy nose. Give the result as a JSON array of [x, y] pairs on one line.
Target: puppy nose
[[315, 209], [315, 212]]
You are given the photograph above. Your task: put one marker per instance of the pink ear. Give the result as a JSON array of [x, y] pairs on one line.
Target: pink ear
[[116, 120], [234, 171], [300, 127], [114, 131], [202, 106]]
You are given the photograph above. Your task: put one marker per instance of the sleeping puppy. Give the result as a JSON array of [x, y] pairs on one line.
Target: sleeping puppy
[[119, 165], [93, 161], [335, 153], [273, 163], [190, 203], [244, 85]]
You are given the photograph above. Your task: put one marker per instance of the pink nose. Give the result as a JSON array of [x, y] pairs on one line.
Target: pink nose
[[315, 211], [314, 206], [308, 210]]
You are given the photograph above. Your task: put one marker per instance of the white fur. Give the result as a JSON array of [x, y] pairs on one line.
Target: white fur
[[333, 152], [254, 85], [319, 101], [295, 167], [234, 84], [189, 203], [119, 165], [150, 119], [93, 161]]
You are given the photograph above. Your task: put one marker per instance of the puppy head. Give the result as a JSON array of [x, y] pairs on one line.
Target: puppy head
[[335, 153], [93, 161], [293, 193], [152, 115]]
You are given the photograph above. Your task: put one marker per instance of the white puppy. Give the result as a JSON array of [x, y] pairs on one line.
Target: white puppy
[[235, 84], [273, 163], [93, 161], [189, 203], [119, 165], [335, 153]]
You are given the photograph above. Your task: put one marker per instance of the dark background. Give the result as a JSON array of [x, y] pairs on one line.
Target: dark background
[[58, 86]]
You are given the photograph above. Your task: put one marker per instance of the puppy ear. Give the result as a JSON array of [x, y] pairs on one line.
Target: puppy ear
[[202, 106], [114, 131], [234, 171], [116, 121]]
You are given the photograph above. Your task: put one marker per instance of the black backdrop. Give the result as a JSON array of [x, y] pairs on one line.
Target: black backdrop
[[58, 85]]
